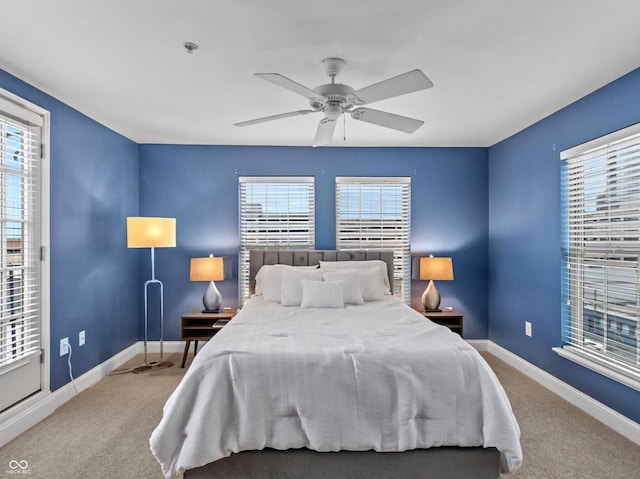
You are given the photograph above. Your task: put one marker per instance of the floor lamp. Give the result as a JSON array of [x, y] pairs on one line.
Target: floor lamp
[[145, 232]]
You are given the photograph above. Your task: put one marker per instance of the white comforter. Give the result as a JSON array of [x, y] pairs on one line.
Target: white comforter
[[377, 376]]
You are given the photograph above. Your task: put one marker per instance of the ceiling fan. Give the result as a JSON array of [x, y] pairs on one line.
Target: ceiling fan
[[335, 99]]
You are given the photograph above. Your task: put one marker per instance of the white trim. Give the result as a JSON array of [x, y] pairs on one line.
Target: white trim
[[31, 411], [373, 179], [579, 357], [375, 213], [169, 346], [17, 107], [17, 419], [273, 213], [41, 117], [600, 142], [24, 415], [600, 255], [479, 344], [616, 421], [276, 179], [45, 242], [91, 377]]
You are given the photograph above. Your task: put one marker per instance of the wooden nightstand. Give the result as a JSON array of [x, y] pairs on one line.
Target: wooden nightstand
[[199, 326], [449, 318]]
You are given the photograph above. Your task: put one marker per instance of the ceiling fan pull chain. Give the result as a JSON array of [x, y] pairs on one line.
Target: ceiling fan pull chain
[[344, 127]]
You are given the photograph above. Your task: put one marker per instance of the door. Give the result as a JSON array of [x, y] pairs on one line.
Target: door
[[20, 262]]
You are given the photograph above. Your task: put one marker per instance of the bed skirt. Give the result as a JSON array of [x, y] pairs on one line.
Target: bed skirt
[[435, 463]]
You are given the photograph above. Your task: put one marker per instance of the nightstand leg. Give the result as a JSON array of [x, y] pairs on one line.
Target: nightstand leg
[[195, 349], [186, 351]]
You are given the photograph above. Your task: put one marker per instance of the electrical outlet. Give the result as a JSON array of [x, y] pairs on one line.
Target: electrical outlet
[[527, 328], [64, 346], [81, 338]]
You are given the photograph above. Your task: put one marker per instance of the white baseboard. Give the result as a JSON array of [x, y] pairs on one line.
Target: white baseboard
[[29, 412], [479, 344], [168, 347], [619, 423], [18, 419]]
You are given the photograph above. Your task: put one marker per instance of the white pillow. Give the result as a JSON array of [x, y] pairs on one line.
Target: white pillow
[[352, 288], [322, 294], [291, 286], [377, 263], [269, 280], [372, 286]]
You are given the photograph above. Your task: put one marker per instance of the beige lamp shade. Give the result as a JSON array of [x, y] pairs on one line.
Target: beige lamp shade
[[439, 269], [207, 269], [151, 232]]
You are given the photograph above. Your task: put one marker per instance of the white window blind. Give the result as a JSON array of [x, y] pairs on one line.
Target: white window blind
[[601, 274], [375, 213], [275, 213], [20, 131]]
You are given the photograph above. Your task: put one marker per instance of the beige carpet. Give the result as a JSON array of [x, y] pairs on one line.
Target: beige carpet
[[104, 432], [558, 439]]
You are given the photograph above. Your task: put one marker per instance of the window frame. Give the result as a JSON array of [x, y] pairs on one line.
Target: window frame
[[19, 108], [401, 244], [601, 255], [304, 238]]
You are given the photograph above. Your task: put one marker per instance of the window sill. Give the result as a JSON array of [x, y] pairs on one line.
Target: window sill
[[579, 357]]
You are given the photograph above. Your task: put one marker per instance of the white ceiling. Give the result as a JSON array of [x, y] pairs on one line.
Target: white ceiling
[[497, 65]]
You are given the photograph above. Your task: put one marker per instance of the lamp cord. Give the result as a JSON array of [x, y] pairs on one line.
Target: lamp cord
[[70, 370]]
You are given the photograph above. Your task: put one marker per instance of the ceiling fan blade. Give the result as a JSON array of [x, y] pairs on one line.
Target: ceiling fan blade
[[274, 117], [408, 82], [324, 133], [289, 84], [388, 120]]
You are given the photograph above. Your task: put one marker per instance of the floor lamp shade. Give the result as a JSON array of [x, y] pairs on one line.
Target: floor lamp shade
[[438, 269], [209, 269], [152, 232]]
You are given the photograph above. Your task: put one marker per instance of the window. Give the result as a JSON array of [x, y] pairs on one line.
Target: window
[[20, 240], [275, 213], [375, 213], [601, 255]]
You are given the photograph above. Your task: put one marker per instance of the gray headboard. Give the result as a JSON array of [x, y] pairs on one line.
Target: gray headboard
[[258, 258]]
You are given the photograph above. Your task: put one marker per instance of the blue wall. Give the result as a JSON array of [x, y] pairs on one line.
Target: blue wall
[[495, 211], [98, 178], [525, 241], [198, 185], [94, 186]]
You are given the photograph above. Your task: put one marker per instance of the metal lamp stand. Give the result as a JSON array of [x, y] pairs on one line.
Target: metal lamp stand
[[148, 366]]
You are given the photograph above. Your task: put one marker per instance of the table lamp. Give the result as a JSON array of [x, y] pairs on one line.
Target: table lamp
[[209, 269], [438, 269], [151, 232]]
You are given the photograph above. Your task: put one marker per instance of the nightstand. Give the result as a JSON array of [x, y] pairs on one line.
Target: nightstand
[[199, 326], [449, 318]]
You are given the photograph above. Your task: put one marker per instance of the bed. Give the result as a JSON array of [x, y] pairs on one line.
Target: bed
[[315, 390]]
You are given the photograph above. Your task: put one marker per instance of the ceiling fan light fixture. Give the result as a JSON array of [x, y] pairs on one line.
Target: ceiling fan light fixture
[[332, 111]]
